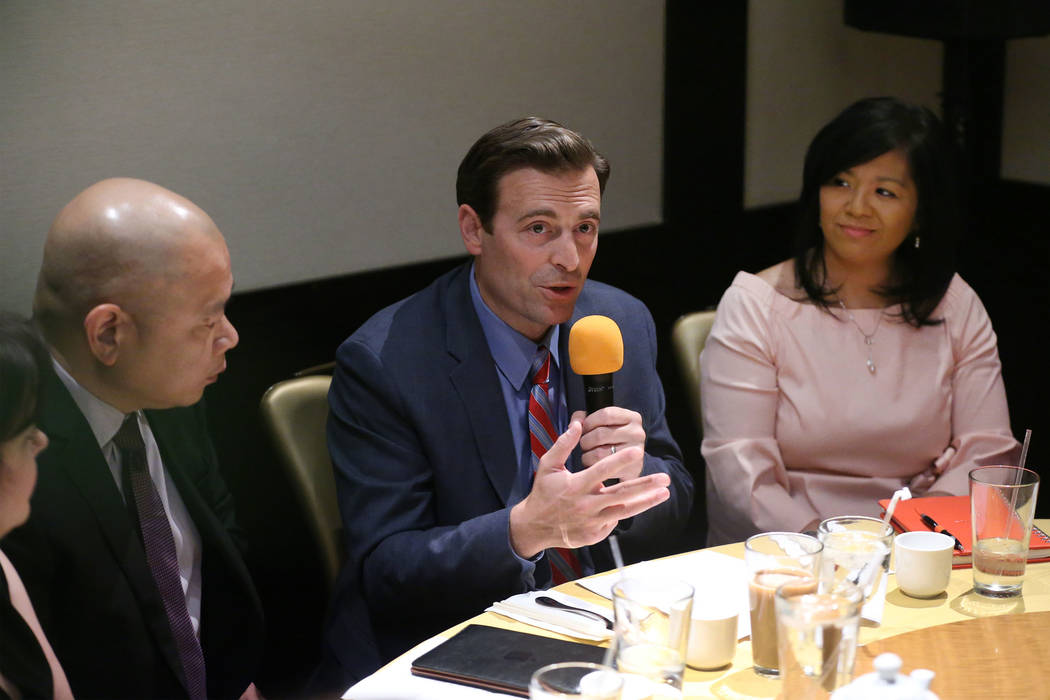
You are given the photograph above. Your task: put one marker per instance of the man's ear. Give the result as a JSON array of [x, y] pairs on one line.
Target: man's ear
[[106, 327], [470, 229]]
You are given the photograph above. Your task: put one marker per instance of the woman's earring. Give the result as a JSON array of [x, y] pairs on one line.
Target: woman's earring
[[916, 240]]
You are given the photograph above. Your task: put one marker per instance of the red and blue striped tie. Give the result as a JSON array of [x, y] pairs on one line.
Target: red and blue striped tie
[[564, 564]]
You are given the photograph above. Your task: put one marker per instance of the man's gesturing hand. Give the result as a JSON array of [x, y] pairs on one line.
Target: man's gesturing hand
[[566, 509]]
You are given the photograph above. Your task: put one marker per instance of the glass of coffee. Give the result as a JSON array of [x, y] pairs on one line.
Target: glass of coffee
[[773, 559]]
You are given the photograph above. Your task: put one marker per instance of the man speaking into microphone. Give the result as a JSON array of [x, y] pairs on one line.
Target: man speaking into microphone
[[467, 467]]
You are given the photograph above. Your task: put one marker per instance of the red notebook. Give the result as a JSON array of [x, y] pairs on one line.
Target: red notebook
[[952, 513]]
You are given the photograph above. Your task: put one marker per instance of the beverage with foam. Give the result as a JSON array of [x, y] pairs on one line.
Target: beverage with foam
[[762, 591], [772, 559]]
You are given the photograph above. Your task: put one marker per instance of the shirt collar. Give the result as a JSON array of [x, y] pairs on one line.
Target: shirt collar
[[103, 419], [513, 352]]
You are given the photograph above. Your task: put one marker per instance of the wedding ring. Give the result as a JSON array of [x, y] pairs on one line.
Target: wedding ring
[[613, 449]]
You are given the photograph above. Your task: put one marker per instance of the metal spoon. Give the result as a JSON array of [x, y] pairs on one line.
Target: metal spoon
[[553, 603]]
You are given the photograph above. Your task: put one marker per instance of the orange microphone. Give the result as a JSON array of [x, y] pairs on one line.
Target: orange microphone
[[595, 352]]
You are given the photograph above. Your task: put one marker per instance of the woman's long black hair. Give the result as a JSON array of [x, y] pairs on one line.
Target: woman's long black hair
[[23, 359], [863, 131]]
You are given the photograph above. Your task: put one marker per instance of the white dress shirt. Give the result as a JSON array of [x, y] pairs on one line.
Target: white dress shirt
[[105, 421]]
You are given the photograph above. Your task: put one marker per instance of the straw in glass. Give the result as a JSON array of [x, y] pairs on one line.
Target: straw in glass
[[1018, 476], [1024, 447], [901, 493]]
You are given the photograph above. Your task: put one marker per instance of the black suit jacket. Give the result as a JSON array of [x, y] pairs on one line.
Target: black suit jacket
[[85, 569], [425, 462]]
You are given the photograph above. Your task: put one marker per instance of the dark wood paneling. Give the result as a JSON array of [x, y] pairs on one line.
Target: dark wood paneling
[[1007, 261]]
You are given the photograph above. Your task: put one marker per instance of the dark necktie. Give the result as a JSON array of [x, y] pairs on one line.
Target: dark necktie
[[159, 544], [564, 564]]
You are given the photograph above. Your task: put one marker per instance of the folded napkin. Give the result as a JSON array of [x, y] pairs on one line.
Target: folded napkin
[[524, 608]]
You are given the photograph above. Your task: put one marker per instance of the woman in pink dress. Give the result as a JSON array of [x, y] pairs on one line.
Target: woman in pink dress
[[28, 667], [864, 363]]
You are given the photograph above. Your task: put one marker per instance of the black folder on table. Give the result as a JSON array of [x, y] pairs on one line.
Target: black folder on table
[[498, 659]]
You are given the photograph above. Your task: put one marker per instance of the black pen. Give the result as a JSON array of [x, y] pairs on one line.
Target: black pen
[[932, 524]]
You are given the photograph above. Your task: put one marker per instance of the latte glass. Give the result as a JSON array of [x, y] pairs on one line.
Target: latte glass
[[774, 558]]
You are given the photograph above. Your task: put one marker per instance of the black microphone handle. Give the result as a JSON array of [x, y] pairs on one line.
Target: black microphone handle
[[598, 389], [599, 394]]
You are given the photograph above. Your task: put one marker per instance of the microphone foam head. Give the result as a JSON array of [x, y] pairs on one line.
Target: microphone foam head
[[595, 346]]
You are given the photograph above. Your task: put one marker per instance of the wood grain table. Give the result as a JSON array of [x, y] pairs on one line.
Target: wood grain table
[[986, 657]]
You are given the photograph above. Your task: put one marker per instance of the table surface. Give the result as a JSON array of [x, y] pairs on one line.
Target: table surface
[[981, 655], [900, 616]]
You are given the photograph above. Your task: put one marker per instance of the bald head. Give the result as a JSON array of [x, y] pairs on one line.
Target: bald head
[[119, 241], [132, 295]]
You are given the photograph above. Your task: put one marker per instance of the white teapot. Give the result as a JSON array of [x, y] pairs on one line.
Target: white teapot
[[887, 683]]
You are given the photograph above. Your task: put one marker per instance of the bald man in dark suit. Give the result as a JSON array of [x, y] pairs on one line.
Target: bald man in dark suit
[[131, 554]]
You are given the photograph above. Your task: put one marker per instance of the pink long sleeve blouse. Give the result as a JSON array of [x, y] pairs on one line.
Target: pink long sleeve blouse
[[797, 428]]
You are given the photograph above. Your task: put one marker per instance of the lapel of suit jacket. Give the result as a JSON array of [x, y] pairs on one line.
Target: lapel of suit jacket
[[478, 386], [575, 397], [178, 451], [228, 596], [176, 456], [74, 450], [576, 400]]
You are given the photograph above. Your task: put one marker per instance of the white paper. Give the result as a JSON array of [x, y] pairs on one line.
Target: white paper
[[872, 610]]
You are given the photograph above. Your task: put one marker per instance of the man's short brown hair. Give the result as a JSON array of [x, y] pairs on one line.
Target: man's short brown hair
[[530, 142]]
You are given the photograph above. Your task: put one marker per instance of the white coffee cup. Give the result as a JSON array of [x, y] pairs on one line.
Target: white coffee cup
[[923, 563], [712, 638]]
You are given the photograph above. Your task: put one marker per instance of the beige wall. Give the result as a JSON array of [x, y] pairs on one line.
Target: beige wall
[[323, 135], [805, 65]]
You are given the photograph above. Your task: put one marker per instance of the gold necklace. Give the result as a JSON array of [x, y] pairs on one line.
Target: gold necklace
[[869, 338]]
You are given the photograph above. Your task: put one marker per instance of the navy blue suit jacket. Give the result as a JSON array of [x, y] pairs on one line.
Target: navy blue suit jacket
[[425, 462]]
